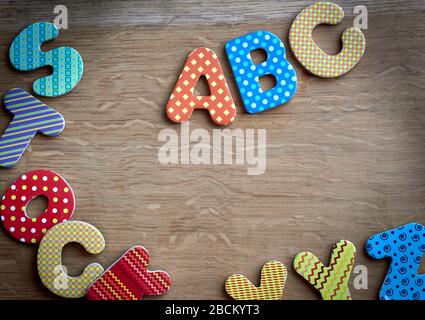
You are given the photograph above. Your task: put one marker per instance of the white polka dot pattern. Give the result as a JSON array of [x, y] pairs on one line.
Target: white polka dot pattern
[[248, 74], [61, 204]]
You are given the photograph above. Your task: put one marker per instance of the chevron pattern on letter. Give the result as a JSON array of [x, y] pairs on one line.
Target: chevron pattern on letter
[[129, 279], [331, 281], [273, 278], [29, 117]]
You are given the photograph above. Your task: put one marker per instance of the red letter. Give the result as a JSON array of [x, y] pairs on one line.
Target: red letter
[[29, 186]]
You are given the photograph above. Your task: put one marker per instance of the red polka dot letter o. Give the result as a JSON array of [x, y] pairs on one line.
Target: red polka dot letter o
[[61, 204]]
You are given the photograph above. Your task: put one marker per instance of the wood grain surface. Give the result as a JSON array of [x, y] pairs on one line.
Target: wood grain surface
[[345, 158]]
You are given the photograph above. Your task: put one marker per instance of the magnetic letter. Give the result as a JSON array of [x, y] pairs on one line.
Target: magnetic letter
[[248, 74], [182, 102], [129, 279], [49, 258], [272, 282], [405, 246], [29, 117], [308, 52], [61, 204], [25, 54], [331, 281]]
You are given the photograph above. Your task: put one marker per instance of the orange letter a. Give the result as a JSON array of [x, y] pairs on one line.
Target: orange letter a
[[182, 102]]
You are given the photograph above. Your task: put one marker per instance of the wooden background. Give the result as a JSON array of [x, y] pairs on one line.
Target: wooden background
[[345, 158]]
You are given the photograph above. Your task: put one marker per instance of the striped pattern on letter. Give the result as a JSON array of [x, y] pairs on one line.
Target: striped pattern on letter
[[29, 117]]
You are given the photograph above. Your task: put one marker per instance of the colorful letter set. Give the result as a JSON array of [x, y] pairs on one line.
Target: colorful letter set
[[129, 278]]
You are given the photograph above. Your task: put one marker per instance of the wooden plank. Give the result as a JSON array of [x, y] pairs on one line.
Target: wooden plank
[[345, 158]]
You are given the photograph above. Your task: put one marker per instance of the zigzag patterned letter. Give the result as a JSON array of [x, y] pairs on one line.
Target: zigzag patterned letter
[[332, 281], [129, 279], [29, 117]]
